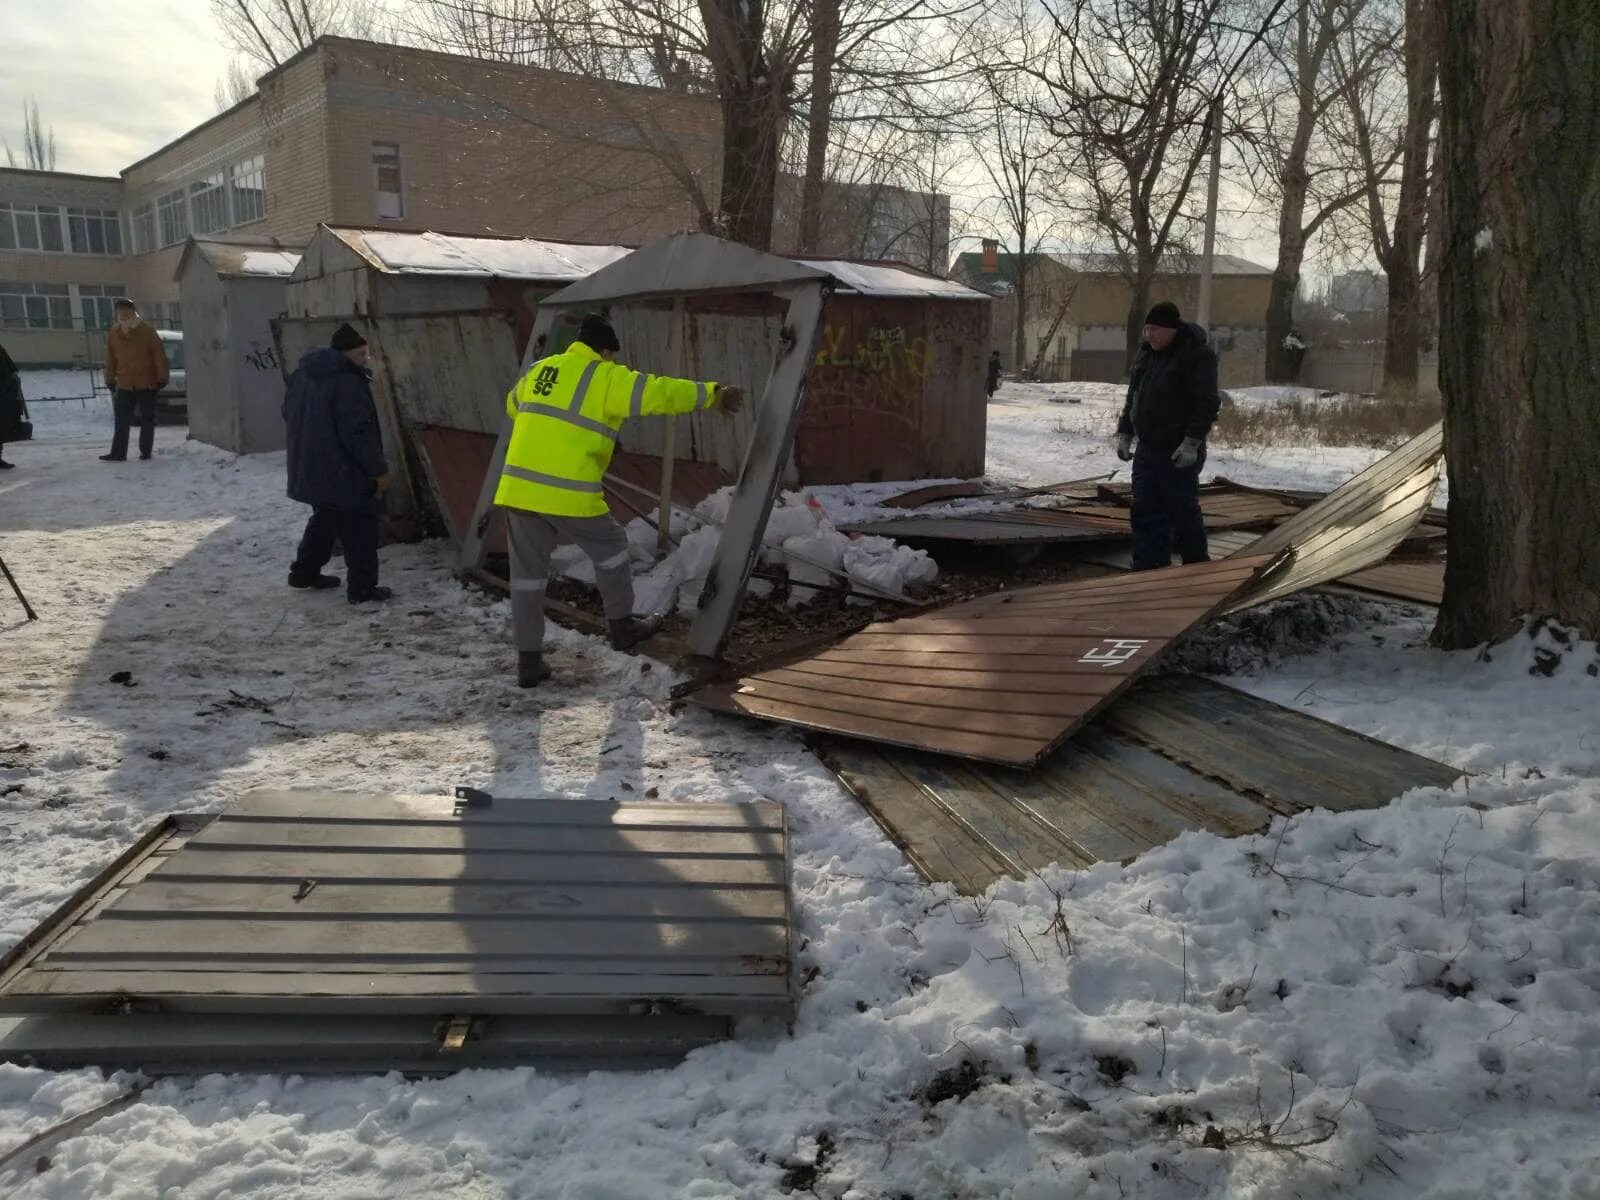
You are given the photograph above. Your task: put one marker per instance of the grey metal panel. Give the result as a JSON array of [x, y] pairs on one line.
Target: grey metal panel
[[760, 475], [213, 412], [257, 376], [161, 1044], [449, 368], [523, 906], [686, 262]]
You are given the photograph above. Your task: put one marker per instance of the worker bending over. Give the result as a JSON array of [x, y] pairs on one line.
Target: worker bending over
[[566, 412]]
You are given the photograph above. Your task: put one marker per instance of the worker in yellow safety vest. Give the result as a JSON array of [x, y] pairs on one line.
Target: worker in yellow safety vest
[[566, 412]]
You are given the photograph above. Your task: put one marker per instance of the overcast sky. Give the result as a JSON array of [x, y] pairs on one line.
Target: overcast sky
[[116, 78]]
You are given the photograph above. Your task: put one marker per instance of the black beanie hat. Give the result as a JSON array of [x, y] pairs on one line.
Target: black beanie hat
[[1164, 314], [597, 334], [346, 338]]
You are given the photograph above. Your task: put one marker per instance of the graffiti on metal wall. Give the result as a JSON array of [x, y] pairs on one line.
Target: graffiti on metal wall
[[262, 358], [881, 351]]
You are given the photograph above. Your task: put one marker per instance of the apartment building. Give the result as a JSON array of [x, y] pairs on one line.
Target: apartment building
[[356, 133]]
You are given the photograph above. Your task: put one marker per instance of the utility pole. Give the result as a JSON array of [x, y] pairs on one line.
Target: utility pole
[[1208, 255]]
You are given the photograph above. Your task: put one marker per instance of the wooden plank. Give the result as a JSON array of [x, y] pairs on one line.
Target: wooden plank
[[246, 899], [1006, 831], [902, 712], [1015, 683], [311, 805], [931, 838], [318, 938], [157, 1044], [560, 989], [480, 868], [433, 837], [931, 694]]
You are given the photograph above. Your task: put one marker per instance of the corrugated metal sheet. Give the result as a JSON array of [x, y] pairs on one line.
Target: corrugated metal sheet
[[684, 263], [1354, 527], [241, 260], [329, 905], [1005, 678], [1175, 753], [888, 279], [449, 369], [1223, 510], [532, 259]]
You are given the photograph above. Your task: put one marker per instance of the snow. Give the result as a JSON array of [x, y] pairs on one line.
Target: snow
[[874, 279], [1392, 1004], [65, 406], [506, 258], [269, 263]]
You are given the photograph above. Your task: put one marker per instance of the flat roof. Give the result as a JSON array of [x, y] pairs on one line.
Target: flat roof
[[427, 253]]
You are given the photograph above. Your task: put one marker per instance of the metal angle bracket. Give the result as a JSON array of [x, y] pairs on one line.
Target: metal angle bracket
[[456, 1032]]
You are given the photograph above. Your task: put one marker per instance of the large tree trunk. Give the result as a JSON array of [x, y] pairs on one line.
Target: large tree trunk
[[752, 119], [1411, 211], [1520, 314], [1138, 309], [1020, 350], [825, 48]]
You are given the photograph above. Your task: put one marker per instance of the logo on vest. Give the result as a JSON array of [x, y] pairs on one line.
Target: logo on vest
[[545, 382]]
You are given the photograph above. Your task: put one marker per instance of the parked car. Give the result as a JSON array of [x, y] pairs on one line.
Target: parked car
[[172, 402]]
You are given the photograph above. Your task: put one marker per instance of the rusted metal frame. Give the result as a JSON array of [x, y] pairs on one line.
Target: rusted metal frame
[[762, 472], [475, 545]]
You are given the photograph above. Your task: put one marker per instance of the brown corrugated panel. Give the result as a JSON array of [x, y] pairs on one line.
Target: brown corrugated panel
[[1004, 678], [1356, 526]]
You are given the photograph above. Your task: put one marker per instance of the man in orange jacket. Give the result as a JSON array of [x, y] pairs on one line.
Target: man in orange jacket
[[136, 369]]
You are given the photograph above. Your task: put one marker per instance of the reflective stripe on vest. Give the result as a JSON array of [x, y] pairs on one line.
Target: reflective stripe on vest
[[569, 416], [702, 396], [555, 481], [636, 401]]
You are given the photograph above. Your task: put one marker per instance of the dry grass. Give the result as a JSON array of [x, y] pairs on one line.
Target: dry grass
[[1342, 421]]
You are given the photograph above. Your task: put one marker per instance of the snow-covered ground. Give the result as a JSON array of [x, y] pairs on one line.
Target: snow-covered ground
[[1391, 1004]]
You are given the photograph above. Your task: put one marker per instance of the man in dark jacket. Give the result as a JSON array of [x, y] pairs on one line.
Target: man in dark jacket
[[336, 465], [992, 384], [1172, 402]]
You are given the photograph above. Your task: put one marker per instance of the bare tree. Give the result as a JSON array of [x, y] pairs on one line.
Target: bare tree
[[1313, 176], [1391, 120], [267, 32], [1520, 308], [1015, 150], [235, 87], [38, 147], [1130, 88]]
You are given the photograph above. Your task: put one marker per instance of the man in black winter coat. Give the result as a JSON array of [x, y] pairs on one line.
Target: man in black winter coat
[[336, 465], [1172, 402]]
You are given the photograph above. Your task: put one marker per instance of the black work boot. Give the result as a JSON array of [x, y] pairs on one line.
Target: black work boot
[[630, 631], [531, 671], [317, 582], [376, 595]]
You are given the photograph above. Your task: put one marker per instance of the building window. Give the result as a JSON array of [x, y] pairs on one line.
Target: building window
[[94, 231], [247, 183], [95, 301], [208, 202], [164, 314], [173, 212], [144, 228], [35, 306], [30, 227], [386, 180]]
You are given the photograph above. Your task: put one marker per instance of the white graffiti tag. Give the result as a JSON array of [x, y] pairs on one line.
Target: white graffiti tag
[[1115, 650]]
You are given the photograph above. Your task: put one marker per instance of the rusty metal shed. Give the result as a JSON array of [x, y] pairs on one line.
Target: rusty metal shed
[[895, 391]]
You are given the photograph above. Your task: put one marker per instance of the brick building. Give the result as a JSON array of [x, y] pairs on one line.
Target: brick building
[[361, 134]]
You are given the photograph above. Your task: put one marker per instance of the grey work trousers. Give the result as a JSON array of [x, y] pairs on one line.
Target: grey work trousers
[[532, 537]]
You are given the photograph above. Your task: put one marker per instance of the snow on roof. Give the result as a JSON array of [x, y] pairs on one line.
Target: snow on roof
[[481, 257], [236, 259], [886, 279]]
